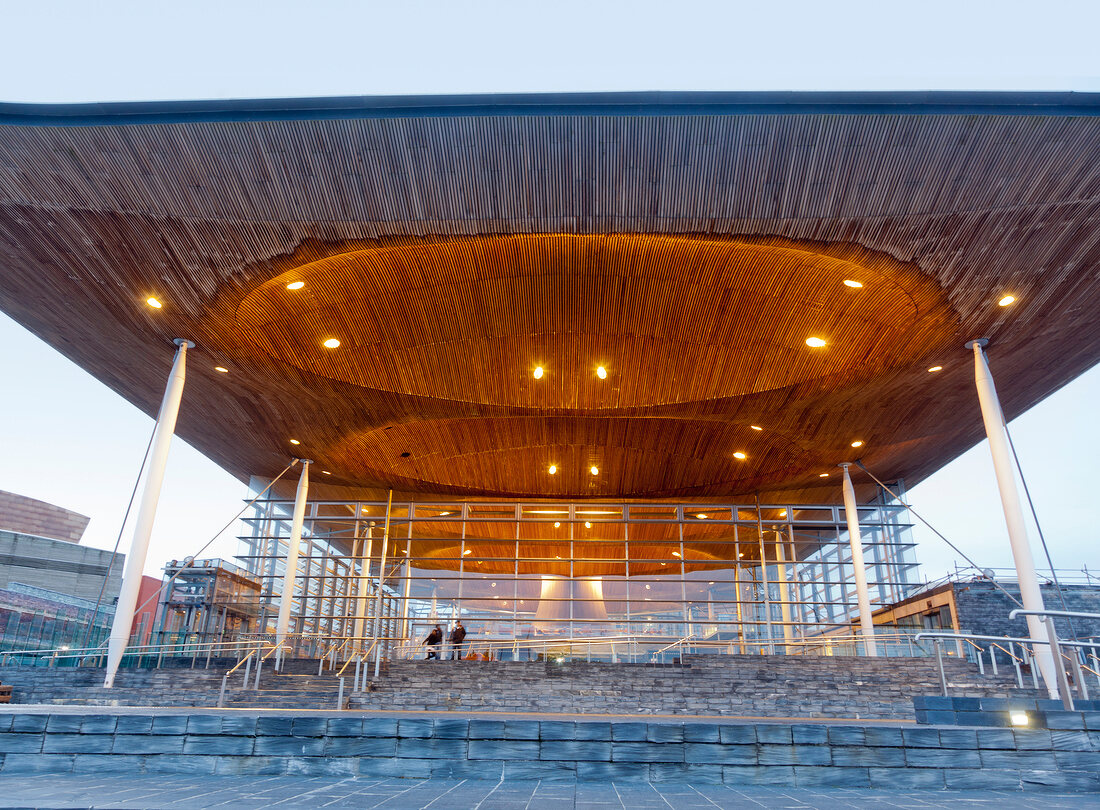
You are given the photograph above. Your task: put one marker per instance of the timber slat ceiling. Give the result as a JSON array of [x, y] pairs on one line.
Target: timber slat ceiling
[[690, 254]]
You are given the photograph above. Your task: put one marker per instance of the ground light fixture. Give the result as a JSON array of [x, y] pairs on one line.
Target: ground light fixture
[[331, 343], [1019, 718], [295, 285], [153, 302]]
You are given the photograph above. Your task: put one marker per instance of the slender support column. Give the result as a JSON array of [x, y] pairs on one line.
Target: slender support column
[[784, 590], [290, 575], [378, 626], [855, 540], [1014, 513], [147, 512]]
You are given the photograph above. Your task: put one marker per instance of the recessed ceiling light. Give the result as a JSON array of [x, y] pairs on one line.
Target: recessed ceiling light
[[325, 472], [557, 525], [467, 552], [934, 369], [553, 469], [664, 563], [815, 342], [154, 303], [494, 584], [855, 285], [601, 372], [823, 475], [783, 513], [557, 556], [701, 516], [295, 285], [221, 369], [739, 556], [647, 587], [756, 427], [857, 443], [587, 525], [676, 554], [538, 373], [295, 441], [331, 343], [594, 470], [740, 455], [1008, 299]]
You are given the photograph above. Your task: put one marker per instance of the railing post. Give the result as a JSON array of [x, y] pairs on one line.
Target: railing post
[[247, 669], [358, 666], [939, 662], [1059, 666], [993, 658], [221, 694], [340, 696], [259, 669], [1016, 664]]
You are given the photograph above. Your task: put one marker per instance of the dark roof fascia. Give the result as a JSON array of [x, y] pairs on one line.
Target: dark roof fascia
[[522, 105]]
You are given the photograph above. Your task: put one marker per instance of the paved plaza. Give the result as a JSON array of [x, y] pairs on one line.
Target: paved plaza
[[186, 792]]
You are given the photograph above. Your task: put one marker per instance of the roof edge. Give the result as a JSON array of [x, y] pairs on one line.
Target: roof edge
[[632, 104]]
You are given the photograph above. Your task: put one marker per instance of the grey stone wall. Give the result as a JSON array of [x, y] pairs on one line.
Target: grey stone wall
[[984, 609], [738, 753]]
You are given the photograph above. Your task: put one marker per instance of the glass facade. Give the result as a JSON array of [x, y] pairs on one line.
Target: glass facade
[[739, 577]]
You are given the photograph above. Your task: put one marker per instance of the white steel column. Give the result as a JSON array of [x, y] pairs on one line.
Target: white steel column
[[147, 512], [1014, 513], [855, 540], [290, 575]]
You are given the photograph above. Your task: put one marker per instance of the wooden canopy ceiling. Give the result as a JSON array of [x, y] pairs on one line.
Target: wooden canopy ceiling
[[687, 244]]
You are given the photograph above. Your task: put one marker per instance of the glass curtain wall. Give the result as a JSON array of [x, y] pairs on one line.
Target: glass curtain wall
[[733, 576]]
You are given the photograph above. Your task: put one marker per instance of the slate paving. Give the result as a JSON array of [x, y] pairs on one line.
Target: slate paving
[[190, 793]]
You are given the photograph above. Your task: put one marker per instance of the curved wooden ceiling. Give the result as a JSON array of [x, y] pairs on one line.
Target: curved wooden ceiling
[[691, 254]]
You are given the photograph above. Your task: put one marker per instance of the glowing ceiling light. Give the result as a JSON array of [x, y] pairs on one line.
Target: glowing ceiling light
[[1008, 299], [647, 587], [701, 516], [676, 554], [553, 469], [557, 556], [587, 525], [855, 285], [538, 373], [601, 372], [783, 513], [154, 303], [557, 525], [331, 343], [295, 441], [221, 369], [594, 470], [325, 472], [664, 563], [295, 285], [494, 584], [823, 475], [739, 556], [710, 583], [815, 342], [857, 443], [934, 369], [756, 427], [739, 455]]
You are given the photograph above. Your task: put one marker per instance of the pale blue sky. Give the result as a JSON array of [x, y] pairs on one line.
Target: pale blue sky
[[68, 440]]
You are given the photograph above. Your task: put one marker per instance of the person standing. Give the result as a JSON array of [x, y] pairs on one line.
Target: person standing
[[434, 639], [458, 635]]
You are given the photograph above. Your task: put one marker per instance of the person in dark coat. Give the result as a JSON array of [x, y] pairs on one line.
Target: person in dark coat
[[434, 639], [458, 635]]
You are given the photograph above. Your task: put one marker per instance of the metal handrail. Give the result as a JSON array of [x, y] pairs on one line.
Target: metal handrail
[[1054, 614]]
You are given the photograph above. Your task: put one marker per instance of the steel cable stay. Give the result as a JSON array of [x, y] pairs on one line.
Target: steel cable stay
[[189, 561], [118, 540], [959, 551], [1039, 528]]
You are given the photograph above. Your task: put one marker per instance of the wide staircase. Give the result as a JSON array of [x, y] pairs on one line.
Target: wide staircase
[[700, 685]]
